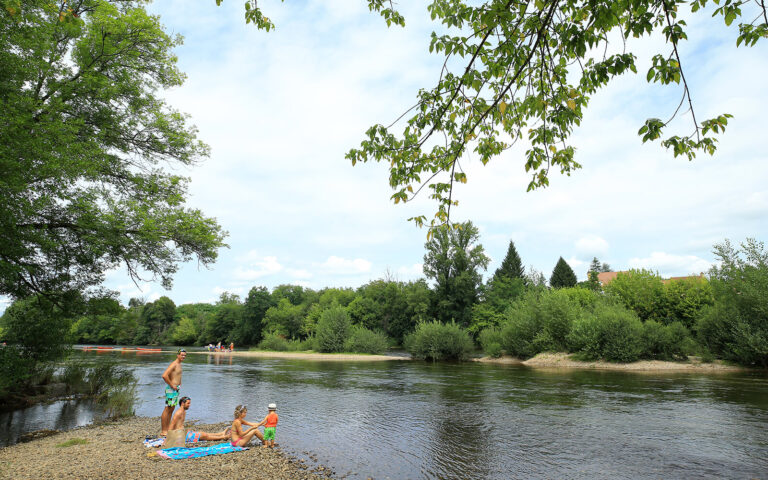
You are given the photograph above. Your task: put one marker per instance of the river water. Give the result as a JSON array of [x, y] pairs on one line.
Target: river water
[[401, 420]]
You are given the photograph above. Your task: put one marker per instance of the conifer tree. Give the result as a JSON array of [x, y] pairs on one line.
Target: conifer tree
[[562, 275], [511, 266]]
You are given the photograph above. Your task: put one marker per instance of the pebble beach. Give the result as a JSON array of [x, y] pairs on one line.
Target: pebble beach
[[115, 450]]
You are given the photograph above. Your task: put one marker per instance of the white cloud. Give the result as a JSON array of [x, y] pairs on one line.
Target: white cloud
[[298, 273], [265, 266], [670, 265], [344, 266], [592, 246]]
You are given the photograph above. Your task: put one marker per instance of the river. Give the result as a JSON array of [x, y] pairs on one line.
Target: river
[[415, 420]]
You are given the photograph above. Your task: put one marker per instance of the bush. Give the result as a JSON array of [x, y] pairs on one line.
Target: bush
[[363, 340], [612, 333], [333, 329], [541, 322], [301, 345], [520, 328], [642, 291], [737, 329], [273, 342], [490, 341], [438, 341], [665, 342], [15, 370]]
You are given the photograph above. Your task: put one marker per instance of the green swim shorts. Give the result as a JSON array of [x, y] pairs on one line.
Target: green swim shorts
[[269, 433], [171, 397]]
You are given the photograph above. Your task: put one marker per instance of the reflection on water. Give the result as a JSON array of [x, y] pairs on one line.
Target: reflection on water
[[438, 420]]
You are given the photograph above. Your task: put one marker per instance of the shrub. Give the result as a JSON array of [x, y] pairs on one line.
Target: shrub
[[15, 370], [74, 375], [686, 298], [273, 342], [665, 342], [737, 328], [612, 333], [641, 291], [540, 322], [363, 340], [520, 328], [333, 329], [438, 341], [301, 345], [490, 341]]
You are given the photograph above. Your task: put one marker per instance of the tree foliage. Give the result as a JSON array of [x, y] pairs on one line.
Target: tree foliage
[[562, 275], [83, 135], [453, 260], [511, 267], [526, 70], [737, 327]]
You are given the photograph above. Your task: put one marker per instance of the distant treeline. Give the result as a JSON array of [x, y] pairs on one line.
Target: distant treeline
[[637, 315]]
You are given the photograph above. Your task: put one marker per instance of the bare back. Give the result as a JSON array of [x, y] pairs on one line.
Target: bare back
[[178, 419]]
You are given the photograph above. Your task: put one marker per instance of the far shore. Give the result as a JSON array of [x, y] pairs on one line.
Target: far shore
[[567, 361], [310, 355], [542, 360]]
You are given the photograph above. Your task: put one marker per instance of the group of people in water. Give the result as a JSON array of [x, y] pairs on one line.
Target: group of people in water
[[220, 348], [172, 424]]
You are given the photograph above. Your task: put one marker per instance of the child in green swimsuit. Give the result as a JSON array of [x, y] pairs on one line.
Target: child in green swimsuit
[[270, 424]]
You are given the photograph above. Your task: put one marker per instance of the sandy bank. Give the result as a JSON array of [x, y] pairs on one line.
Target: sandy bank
[[115, 450], [565, 360], [309, 356]]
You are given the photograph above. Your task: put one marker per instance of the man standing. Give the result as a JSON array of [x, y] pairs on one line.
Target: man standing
[[177, 437], [172, 377]]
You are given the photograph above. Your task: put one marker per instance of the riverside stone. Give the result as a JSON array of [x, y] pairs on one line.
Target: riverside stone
[[115, 450]]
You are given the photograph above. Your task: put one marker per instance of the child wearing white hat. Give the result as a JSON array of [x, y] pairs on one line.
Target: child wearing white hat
[[270, 423]]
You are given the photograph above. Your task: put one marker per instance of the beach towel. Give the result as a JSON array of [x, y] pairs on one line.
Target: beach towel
[[191, 437], [154, 442], [179, 453]]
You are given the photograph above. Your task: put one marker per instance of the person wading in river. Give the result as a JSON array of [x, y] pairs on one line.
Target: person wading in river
[[172, 377], [177, 437]]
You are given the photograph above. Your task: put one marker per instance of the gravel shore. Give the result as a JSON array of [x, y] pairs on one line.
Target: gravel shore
[[115, 450], [565, 360]]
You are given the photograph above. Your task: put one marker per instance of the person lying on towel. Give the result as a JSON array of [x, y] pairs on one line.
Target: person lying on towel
[[176, 434]]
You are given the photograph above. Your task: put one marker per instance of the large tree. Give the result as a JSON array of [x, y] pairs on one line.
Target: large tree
[[525, 70], [453, 260], [84, 134]]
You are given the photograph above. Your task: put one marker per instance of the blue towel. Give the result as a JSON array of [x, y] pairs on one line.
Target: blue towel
[[179, 453]]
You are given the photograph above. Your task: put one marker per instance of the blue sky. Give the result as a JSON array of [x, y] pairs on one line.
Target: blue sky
[[280, 109]]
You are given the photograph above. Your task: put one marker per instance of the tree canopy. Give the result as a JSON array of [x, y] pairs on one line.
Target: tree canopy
[[525, 70], [83, 138], [453, 259]]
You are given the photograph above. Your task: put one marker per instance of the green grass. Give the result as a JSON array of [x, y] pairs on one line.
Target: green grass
[[73, 441]]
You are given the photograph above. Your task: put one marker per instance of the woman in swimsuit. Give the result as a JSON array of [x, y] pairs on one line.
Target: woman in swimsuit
[[240, 437]]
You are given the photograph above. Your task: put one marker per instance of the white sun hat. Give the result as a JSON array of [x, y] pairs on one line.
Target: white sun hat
[[272, 406]]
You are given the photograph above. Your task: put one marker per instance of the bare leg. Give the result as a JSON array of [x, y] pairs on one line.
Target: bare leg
[[248, 435], [222, 435], [165, 420]]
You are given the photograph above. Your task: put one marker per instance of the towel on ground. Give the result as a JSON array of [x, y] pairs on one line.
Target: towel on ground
[[191, 437], [180, 453]]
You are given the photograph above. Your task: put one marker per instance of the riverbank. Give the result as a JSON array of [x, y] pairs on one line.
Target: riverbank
[[357, 357], [566, 360], [115, 450]]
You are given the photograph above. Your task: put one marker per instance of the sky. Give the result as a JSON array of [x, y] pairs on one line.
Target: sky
[[280, 109]]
